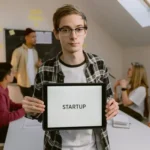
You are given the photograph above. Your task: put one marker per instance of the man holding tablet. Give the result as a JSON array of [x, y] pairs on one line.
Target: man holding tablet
[[72, 65]]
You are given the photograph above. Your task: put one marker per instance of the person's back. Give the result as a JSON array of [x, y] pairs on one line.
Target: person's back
[[9, 111]]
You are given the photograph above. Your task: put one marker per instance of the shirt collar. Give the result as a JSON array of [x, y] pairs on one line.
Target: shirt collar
[[88, 61], [25, 47]]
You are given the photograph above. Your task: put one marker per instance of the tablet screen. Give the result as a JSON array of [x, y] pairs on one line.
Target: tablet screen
[[74, 106]]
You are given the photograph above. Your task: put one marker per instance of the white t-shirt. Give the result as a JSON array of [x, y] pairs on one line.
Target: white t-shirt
[[76, 139], [138, 96], [31, 66]]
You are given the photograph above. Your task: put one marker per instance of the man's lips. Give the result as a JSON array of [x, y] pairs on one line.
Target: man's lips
[[73, 44]]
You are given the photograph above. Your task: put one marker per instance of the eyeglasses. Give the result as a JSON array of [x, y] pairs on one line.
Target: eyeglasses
[[66, 31]]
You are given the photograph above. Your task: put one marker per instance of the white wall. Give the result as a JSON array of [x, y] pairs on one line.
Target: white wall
[[140, 54], [99, 42], [14, 14]]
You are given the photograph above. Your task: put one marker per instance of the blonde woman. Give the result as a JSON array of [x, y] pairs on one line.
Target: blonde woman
[[134, 92]]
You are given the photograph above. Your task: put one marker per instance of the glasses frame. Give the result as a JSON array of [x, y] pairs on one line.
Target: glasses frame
[[71, 30]]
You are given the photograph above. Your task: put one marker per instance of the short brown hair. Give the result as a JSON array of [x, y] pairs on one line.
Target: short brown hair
[[5, 69], [64, 11]]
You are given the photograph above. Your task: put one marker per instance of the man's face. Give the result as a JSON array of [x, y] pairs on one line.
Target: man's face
[[10, 77], [71, 41], [31, 38]]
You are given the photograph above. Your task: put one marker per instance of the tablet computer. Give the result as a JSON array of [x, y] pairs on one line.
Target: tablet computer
[[74, 106]]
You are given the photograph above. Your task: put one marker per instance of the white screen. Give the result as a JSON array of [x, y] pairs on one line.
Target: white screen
[[88, 97]]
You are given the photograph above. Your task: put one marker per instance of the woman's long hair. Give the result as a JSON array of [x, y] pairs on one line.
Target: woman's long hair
[[139, 78]]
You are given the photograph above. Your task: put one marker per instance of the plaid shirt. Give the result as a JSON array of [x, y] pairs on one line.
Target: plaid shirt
[[50, 72]]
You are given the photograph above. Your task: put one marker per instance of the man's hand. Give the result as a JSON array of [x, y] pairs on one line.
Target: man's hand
[[111, 109], [33, 105], [148, 124], [39, 63]]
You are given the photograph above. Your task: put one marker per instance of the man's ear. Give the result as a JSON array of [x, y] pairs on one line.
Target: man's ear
[[85, 33], [25, 38], [5, 78], [56, 34]]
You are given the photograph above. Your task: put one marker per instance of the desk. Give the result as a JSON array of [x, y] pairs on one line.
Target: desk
[[135, 138], [20, 138]]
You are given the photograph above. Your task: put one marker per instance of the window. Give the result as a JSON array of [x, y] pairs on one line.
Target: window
[[147, 2], [138, 9]]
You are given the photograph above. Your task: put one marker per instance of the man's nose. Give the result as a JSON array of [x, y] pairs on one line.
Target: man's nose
[[73, 34]]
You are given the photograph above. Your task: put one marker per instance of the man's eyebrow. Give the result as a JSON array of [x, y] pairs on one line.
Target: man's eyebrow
[[70, 27], [65, 27], [81, 25]]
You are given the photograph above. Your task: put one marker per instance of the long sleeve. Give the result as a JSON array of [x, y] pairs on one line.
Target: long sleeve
[[106, 80], [5, 115], [38, 92], [15, 59], [15, 106]]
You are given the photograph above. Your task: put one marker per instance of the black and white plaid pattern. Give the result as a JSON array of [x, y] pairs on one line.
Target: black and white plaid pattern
[[50, 72]]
